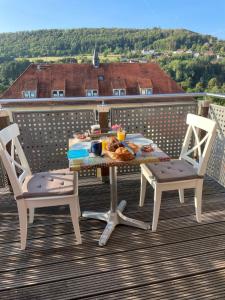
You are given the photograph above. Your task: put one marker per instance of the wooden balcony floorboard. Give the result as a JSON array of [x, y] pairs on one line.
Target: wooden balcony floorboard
[[182, 260]]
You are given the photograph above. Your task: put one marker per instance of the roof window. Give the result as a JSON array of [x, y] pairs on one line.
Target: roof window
[[29, 94], [91, 93], [147, 91], [119, 92], [57, 93]]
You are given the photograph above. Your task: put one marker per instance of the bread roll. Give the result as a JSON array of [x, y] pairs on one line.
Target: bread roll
[[123, 154]]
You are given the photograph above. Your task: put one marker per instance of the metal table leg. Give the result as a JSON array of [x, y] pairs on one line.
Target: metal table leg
[[115, 215]]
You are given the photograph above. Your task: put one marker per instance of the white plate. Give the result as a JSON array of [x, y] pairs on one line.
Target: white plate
[[142, 141], [81, 145]]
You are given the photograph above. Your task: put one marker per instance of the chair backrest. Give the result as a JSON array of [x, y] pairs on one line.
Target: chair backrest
[[14, 160], [202, 145]]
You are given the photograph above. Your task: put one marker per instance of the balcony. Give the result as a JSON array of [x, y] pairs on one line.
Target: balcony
[[182, 260]]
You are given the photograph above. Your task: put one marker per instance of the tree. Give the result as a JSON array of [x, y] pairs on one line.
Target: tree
[[212, 83]]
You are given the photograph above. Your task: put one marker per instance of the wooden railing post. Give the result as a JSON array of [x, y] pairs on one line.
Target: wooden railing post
[[4, 119], [203, 108], [103, 111]]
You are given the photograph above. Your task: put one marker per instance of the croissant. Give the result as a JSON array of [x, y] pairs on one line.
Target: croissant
[[134, 147], [113, 144], [123, 154]]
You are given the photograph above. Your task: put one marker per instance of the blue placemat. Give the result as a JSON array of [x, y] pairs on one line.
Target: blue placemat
[[78, 153]]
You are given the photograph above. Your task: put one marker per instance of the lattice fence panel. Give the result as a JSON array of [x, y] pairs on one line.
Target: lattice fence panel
[[44, 136], [164, 124], [216, 165]]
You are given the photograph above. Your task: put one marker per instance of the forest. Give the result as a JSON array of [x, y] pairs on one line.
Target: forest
[[195, 61]]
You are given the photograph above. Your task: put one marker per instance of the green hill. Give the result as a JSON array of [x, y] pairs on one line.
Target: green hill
[[199, 64], [78, 41]]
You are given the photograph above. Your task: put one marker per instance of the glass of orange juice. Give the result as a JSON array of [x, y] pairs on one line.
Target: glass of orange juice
[[104, 144], [121, 134]]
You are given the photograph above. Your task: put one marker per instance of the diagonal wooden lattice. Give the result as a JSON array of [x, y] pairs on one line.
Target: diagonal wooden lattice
[[164, 124], [216, 164], [44, 136]]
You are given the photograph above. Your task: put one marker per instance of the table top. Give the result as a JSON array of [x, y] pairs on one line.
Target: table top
[[98, 161]]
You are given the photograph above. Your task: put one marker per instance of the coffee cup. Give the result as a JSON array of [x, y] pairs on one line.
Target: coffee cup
[[96, 148]]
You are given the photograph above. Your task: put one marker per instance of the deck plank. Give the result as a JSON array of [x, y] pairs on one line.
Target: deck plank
[[183, 259]]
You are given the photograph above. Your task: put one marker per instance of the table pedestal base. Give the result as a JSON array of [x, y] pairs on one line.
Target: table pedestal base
[[112, 219]]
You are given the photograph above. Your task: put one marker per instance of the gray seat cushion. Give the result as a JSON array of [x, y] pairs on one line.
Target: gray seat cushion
[[53, 183], [172, 171]]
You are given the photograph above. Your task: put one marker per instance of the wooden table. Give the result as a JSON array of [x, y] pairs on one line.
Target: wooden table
[[115, 215]]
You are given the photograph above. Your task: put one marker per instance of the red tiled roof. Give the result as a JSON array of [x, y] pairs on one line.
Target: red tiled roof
[[118, 83], [75, 78], [31, 85], [58, 84], [145, 83], [91, 84]]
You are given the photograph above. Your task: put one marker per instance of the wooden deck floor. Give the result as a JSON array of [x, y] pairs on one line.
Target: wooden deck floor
[[183, 260]]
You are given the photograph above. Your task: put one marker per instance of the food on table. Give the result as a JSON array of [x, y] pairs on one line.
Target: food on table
[[147, 148], [104, 144], [95, 129], [118, 150], [124, 154], [113, 144], [121, 134], [81, 136], [133, 146], [116, 127]]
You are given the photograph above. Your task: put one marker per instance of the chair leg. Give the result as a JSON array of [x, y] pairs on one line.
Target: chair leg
[[31, 215], [156, 209], [181, 195], [22, 211], [78, 207], [143, 190], [75, 219], [198, 200]]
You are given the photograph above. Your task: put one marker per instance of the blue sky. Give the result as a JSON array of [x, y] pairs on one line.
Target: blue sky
[[201, 16]]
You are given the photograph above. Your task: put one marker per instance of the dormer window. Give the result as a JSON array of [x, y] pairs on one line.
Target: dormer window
[[57, 93], [29, 94], [91, 93], [119, 92], [147, 91]]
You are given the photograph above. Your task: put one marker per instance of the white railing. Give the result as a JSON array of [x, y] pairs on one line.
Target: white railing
[[106, 99]]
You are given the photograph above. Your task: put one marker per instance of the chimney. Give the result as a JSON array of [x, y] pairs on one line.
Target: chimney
[[95, 59]]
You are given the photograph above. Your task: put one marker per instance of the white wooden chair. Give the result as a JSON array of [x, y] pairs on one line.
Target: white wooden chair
[[37, 190], [183, 173]]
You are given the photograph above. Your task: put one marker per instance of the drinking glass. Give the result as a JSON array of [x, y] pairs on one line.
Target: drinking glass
[[121, 135], [104, 144]]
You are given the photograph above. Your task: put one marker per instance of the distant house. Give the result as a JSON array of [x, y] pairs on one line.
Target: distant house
[[147, 52], [209, 53], [91, 80], [133, 60], [143, 61], [196, 54]]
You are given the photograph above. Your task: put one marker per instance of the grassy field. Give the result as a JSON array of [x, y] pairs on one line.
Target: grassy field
[[80, 58]]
